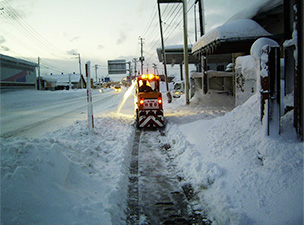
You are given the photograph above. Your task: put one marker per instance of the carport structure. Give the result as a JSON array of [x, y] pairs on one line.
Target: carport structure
[[234, 38], [227, 39], [175, 55]]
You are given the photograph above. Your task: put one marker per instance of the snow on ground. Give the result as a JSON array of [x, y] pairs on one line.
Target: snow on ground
[[72, 177], [67, 176], [242, 176], [32, 113]]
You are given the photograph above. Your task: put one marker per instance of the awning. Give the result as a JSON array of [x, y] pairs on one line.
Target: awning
[[175, 55], [236, 36], [224, 46]]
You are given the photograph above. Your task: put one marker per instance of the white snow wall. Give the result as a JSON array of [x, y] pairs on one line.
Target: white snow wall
[[246, 73]]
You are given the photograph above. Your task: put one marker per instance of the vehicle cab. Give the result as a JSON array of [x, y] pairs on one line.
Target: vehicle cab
[[148, 101]]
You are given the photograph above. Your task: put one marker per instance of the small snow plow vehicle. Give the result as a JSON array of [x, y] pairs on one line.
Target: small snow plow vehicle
[[117, 88], [148, 102]]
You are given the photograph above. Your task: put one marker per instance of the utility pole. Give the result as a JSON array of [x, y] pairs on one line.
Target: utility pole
[[164, 53], [201, 16], [39, 81], [89, 97], [135, 68], [186, 62], [195, 27], [79, 60], [81, 83], [130, 73], [141, 58], [155, 68], [186, 51]]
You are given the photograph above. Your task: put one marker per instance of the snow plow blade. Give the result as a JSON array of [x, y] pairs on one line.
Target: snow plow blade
[[150, 119]]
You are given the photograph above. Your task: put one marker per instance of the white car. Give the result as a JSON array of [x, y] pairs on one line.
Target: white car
[[178, 89]]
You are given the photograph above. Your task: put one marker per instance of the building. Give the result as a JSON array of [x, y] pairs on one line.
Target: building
[[61, 81], [17, 73], [280, 21], [224, 44]]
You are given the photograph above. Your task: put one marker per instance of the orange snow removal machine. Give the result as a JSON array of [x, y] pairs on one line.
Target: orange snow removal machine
[[148, 102]]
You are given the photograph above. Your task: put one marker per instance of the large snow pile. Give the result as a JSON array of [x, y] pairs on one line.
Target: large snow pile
[[69, 176], [246, 73], [241, 175], [213, 100]]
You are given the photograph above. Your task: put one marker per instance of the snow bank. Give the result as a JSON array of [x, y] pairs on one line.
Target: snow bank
[[246, 75], [247, 65], [69, 176], [213, 100], [249, 68], [241, 176]]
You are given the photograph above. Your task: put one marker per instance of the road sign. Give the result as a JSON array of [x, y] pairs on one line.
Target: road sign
[[117, 66], [169, 1]]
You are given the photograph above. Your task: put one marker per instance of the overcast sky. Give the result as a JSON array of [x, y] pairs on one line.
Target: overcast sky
[[99, 30]]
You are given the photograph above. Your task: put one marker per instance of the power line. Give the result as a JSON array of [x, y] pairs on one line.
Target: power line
[[153, 15], [34, 38], [177, 12], [17, 20], [172, 14], [171, 18], [21, 26], [179, 22]]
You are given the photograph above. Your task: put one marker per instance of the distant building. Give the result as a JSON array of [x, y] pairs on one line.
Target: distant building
[[61, 81], [17, 73]]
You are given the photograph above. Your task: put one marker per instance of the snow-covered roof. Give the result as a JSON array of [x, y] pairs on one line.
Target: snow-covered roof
[[255, 9], [62, 79], [16, 61], [235, 30], [49, 78]]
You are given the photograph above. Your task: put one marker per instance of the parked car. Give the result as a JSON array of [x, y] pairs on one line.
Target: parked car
[[178, 89]]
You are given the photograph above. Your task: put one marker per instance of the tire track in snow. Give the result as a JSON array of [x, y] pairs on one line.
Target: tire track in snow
[[155, 194], [133, 204]]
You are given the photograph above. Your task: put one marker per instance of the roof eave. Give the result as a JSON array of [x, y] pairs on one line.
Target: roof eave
[[218, 42]]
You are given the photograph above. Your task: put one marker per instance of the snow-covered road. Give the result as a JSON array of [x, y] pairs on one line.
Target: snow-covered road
[[39, 115]]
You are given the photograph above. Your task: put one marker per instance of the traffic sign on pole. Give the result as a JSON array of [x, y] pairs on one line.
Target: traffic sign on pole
[[170, 1]]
